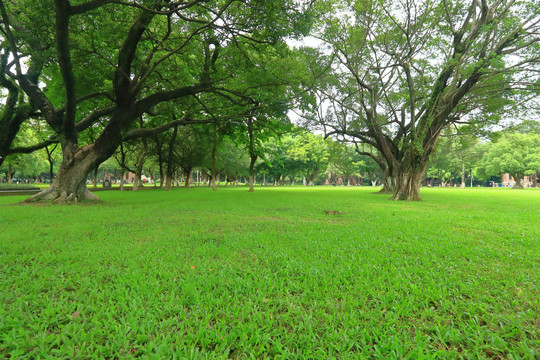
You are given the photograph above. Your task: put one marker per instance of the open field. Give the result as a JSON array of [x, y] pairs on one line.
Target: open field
[[229, 274]]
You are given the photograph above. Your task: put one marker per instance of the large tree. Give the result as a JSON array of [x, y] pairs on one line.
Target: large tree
[[115, 62], [402, 71]]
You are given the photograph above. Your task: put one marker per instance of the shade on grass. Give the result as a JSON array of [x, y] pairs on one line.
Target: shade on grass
[[230, 274]]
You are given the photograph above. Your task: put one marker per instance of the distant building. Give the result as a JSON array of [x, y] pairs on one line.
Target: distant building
[[527, 181]]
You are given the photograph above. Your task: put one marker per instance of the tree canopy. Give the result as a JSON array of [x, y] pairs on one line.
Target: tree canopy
[[106, 64], [402, 71]]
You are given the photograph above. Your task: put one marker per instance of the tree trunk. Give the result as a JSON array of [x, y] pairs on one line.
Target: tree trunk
[[252, 173], [389, 184], [204, 178], [187, 182], [408, 187], [69, 186], [138, 168], [51, 170], [517, 179], [410, 179], [169, 173], [95, 177], [10, 174], [122, 172], [213, 158], [159, 149], [462, 173], [50, 161], [168, 182], [535, 180]]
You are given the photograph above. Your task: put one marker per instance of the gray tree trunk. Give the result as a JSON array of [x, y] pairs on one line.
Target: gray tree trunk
[[462, 173]]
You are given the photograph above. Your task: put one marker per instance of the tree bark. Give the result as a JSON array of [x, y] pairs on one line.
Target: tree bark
[[10, 174], [95, 177], [138, 168], [169, 171], [252, 173], [462, 173], [517, 179], [122, 171], [389, 185], [187, 182], [409, 178], [213, 158], [391, 174], [140, 161], [69, 186], [50, 161]]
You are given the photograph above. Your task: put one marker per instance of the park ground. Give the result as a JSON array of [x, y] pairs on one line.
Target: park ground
[[196, 274]]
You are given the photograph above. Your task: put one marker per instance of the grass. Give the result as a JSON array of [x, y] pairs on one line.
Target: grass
[[196, 274]]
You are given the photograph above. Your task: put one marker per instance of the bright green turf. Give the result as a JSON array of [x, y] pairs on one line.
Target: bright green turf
[[229, 274]]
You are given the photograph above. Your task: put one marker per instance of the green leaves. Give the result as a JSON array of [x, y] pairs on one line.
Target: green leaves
[[514, 154]]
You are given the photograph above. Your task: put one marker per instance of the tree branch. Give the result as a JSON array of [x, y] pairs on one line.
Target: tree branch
[[138, 133]]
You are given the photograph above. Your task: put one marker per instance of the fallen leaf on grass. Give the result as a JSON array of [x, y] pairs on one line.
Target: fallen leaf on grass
[[75, 314]]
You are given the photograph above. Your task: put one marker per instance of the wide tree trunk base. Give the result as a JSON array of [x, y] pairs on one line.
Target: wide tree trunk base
[[58, 196], [386, 190], [408, 188], [406, 196]]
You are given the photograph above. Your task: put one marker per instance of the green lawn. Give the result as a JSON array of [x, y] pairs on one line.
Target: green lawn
[[196, 274]]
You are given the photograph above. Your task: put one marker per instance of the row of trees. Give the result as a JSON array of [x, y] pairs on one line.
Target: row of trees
[[389, 78], [296, 156], [462, 156], [100, 73]]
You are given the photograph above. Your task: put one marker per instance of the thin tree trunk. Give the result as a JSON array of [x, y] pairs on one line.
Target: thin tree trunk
[[159, 149], [213, 158], [50, 161], [10, 174], [169, 174], [188, 173], [95, 177], [140, 161], [462, 173], [252, 173], [122, 172], [253, 157]]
